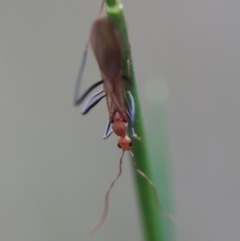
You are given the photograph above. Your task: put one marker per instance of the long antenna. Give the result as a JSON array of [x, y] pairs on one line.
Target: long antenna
[[104, 215]]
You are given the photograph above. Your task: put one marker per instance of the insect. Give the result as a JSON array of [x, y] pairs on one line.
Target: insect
[[106, 43]]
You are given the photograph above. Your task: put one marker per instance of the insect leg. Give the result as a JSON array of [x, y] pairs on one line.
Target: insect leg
[[131, 107], [134, 135], [129, 118], [131, 113], [79, 78], [107, 133], [87, 106], [101, 9], [78, 100]]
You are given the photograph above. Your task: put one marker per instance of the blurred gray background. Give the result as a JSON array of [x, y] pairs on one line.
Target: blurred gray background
[[54, 165]]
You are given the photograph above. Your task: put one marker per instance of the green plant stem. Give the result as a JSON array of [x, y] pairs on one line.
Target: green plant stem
[[111, 3], [153, 228], [156, 93]]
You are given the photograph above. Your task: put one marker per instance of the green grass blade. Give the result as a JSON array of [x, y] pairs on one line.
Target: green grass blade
[[156, 92], [155, 228]]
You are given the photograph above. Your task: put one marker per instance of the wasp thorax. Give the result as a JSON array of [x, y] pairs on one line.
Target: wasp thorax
[[119, 125]]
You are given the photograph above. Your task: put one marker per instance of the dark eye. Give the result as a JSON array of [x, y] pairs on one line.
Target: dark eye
[[130, 144], [119, 146]]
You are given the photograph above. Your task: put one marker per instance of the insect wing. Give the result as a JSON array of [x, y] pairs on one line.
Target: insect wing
[[107, 46]]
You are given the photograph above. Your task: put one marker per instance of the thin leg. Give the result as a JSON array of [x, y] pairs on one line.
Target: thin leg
[[79, 78], [101, 9], [78, 100], [131, 107], [107, 133], [99, 16], [92, 105], [131, 114], [134, 135], [87, 106]]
